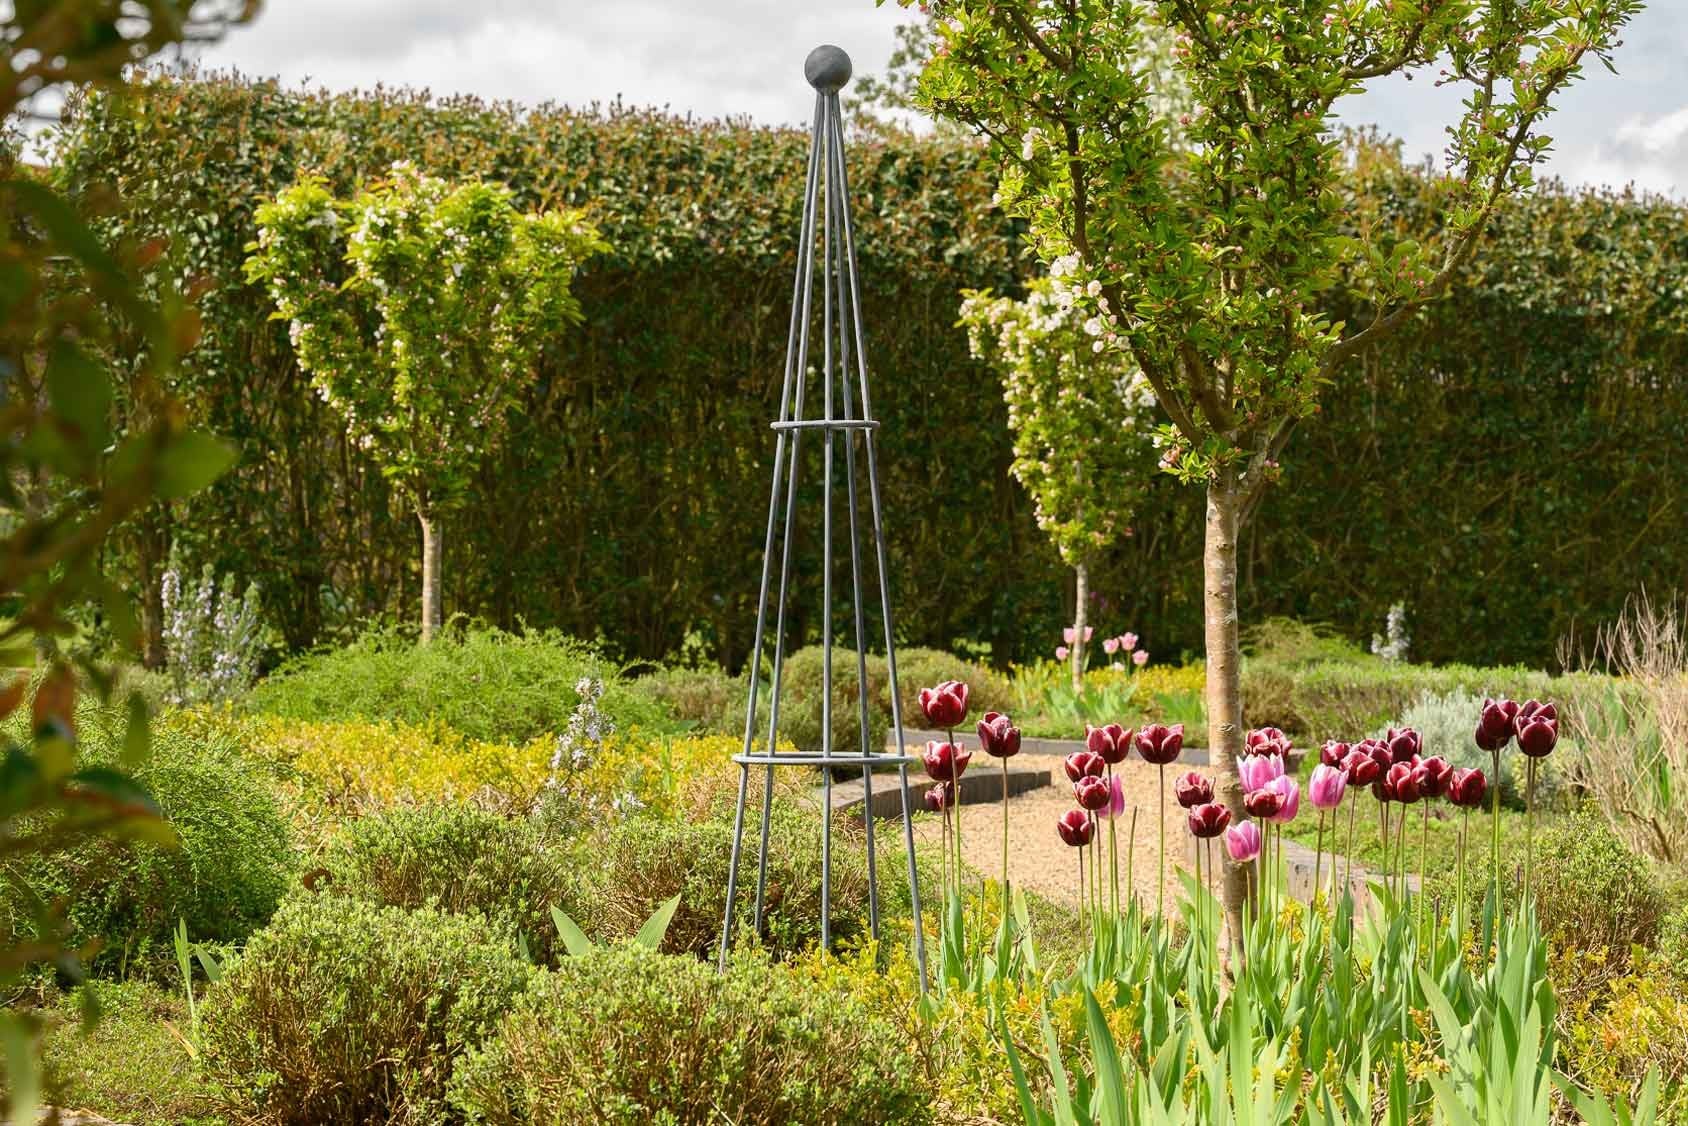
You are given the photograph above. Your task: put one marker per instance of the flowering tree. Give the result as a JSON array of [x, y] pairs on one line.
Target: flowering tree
[[419, 309], [1081, 420], [1209, 244]]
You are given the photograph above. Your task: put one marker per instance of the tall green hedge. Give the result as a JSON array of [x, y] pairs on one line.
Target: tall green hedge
[[1507, 469]]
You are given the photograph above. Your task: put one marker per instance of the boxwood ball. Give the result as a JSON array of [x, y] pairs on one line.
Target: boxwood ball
[[827, 68]]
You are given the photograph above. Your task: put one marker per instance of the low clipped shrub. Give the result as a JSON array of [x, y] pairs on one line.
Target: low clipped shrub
[[757, 1045], [358, 767], [460, 860], [234, 861], [344, 1012], [1592, 892], [1673, 941], [641, 861], [1633, 1023], [707, 700], [989, 690], [802, 693], [489, 685]]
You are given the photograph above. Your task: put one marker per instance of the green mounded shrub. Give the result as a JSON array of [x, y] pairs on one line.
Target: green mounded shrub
[[487, 684], [234, 861], [342, 1012], [709, 700], [801, 696], [1447, 722], [989, 690], [757, 1045], [460, 860], [642, 861], [1592, 892]]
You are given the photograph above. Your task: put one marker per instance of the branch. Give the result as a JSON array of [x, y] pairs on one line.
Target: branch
[[1025, 28]]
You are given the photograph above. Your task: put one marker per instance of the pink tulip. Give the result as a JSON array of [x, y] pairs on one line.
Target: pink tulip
[[1116, 798], [1242, 841], [1326, 787], [1062, 652], [1069, 635], [1128, 641], [1089, 632], [1140, 658], [945, 706], [1289, 794], [1110, 645], [1255, 771]]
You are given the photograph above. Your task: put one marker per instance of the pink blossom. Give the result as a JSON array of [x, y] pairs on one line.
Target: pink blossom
[[1128, 641], [1326, 787], [1289, 790], [1256, 772], [1062, 652], [1140, 658], [1242, 841], [1110, 645]]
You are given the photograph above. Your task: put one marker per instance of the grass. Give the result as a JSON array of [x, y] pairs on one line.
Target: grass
[[130, 1067]]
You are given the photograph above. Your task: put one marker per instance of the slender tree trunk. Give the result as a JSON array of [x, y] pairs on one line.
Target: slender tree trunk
[[431, 555], [1079, 615], [152, 549], [1224, 675]]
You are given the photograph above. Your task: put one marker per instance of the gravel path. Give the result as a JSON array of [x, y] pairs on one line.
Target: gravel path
[[1040, 861]]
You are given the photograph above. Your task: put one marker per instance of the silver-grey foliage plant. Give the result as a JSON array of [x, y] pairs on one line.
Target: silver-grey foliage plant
[[211, 636]]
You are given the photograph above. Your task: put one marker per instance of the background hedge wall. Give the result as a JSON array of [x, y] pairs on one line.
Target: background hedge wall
[[1508, 469]]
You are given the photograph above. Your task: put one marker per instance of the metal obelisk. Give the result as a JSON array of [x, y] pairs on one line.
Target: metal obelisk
[[846, 420]]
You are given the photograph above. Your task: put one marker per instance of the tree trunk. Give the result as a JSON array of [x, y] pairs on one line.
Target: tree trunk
[[1224, 675], [431, 556], [1079, 615], [152, 548]]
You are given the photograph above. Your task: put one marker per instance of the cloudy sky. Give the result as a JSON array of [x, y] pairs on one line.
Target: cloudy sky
[[744, 57]]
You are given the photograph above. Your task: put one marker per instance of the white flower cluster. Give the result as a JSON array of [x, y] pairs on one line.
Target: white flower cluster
[[211, 637], [1394, 642], [587, 728]]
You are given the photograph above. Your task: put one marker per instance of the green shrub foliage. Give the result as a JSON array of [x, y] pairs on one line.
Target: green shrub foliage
[[461, 860], [1481, 471], [754, 1046], [342, 1012], [234, 862], [1593, 893], [490, 685]]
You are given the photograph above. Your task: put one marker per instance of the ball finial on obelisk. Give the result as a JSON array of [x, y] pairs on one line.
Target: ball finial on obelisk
[[827, 68]]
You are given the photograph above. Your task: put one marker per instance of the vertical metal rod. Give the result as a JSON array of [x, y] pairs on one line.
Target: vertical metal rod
[[795, 360], [884, 582], [835, 155], [829, 106], [761, 614]]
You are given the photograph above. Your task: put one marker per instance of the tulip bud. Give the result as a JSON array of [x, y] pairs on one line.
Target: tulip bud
[[1403, 787], [1263, 803], [946, 705], [1467, 787], [945, 761], [1332, 752], [1091, 793], [1326, 787], [940, 797], [1242, 841], [1209, 820], [1362, 769], [1404, 745], [1431, 776], [1256, 771], [1537, 734], [1494, 725], [1159, 744], [1116, 798], [998, 736], [1082, 764], [1266, 741], [1075, 827], [1192, 789]]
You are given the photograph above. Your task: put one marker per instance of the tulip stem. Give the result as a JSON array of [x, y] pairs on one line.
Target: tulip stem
[[1005, 840], [956, 778], [1160, 894], [1401, 857], [1494, 844], [1383, 843], [1083, 895], [1348, 870], [1318, 855], [1196, 937], [1113, 842], [1423, 851], [1459, 878], [1131, 856], [1529, 819]]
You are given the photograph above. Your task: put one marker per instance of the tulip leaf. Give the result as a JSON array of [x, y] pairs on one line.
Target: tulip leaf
[[1033, 1114], [651, 934], [1110, 1072], [574, 939]]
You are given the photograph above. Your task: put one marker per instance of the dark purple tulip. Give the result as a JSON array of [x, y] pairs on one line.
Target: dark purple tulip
[[1267, 741], [1112, 742], [1263, 803], [1091, 793], [1404, 745], [1332, 752], [1467, 787], [1084, 764], [1494, 726], [1538, 734], [1192, 789], [1431, 776], [998, 736], [1361, 767], [1403, 785], [945, 762], [1209, 820], [945, 706], [940, 797], [1159, 744], [1075, 827]]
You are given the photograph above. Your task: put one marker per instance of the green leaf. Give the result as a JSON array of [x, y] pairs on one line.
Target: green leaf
[[1110, 1072], [80, 393], [190, 462], [137, 736], [574, 939], [650, 935]]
